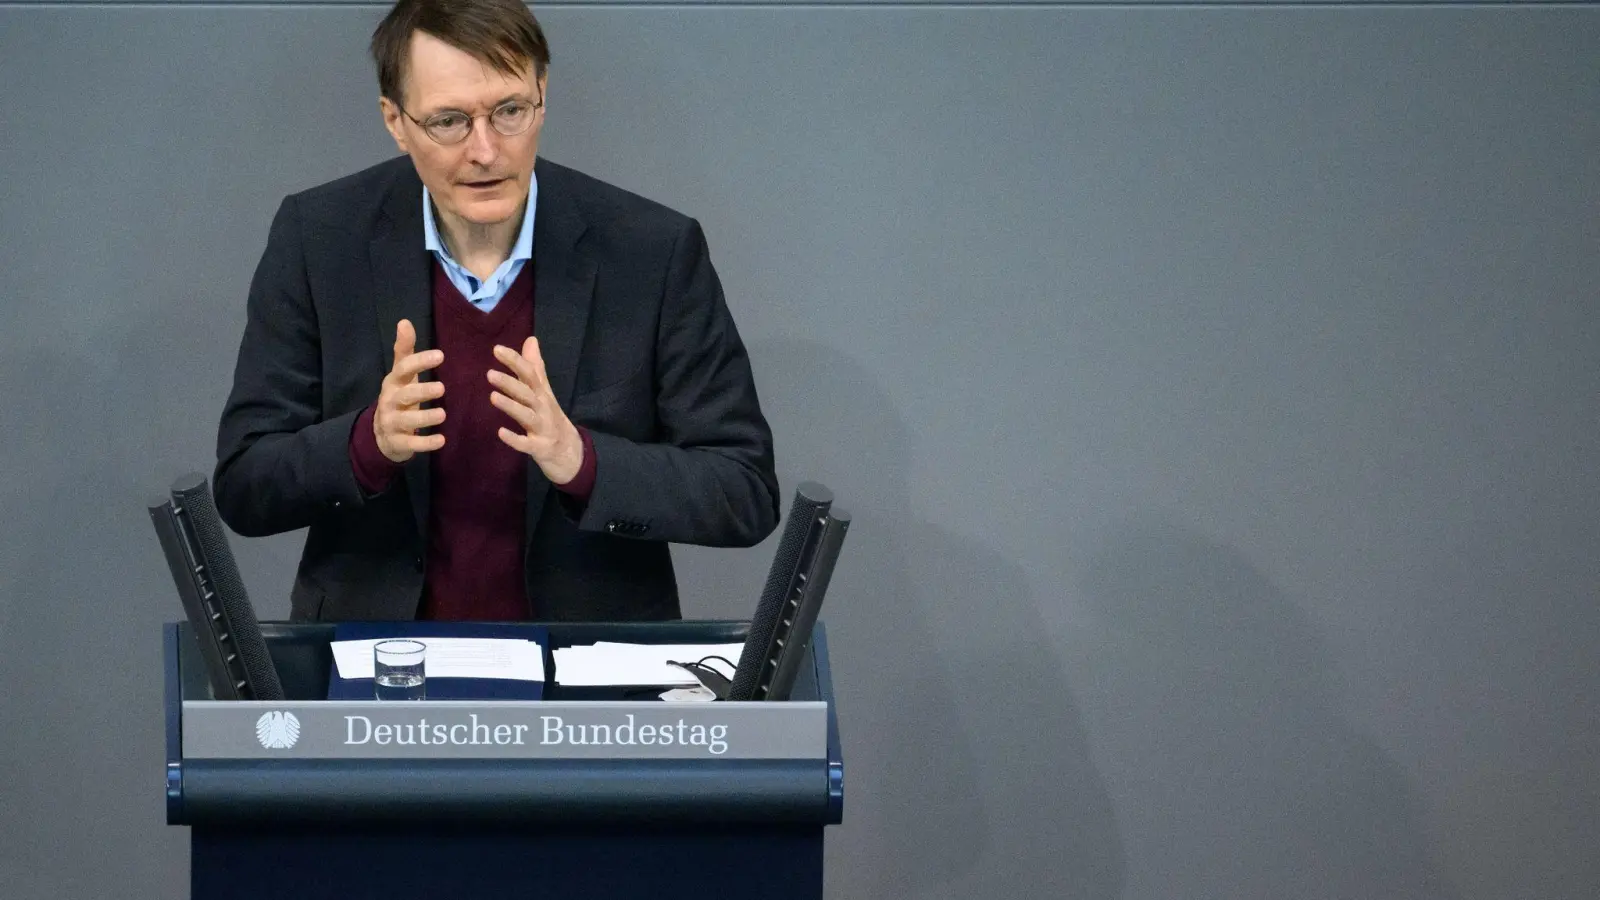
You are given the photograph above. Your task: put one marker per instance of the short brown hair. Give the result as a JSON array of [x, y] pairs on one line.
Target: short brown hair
[[503, 34]]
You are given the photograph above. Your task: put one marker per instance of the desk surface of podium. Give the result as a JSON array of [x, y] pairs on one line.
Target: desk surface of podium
[[310, 759]]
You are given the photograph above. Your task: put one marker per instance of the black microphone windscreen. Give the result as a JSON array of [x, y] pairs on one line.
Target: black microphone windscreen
[[811, 502], [193, 495]]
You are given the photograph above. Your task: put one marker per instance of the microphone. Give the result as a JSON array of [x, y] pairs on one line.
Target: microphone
[[787, 611], [238, 662]]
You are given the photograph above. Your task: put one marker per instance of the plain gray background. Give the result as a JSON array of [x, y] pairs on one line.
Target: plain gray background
[[1215, 389]]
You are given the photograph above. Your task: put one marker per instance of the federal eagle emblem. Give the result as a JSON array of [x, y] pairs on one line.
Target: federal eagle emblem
[[277, 730]]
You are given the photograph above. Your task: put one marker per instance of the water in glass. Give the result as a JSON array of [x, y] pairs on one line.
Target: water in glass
[[398, 670]]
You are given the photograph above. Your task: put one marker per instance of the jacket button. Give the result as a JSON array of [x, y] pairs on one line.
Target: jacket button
[[612, 527], [416, 562]]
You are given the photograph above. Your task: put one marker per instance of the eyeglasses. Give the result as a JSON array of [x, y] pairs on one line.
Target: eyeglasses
[[510, 118]]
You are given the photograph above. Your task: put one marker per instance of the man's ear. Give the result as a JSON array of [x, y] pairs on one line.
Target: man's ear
[[391, 120]]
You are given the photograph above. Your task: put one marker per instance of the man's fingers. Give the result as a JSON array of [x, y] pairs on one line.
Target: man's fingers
[[405, 340], [410, 420], [418, 392], [519, 366], [518, 412], [516, 389], [417, 443], [408, 367], [409, 445], [421, 443], [518, 442], [530, 352]]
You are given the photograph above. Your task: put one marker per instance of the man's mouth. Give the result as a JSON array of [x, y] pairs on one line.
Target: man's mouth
[[485, 184]]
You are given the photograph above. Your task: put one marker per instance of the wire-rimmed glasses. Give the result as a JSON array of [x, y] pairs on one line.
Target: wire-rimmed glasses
[[451, 126]]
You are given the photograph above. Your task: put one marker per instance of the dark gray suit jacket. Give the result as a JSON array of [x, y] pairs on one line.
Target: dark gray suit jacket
[[638, 345]]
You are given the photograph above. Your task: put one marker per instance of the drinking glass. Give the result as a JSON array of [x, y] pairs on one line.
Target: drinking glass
[[399, 670]]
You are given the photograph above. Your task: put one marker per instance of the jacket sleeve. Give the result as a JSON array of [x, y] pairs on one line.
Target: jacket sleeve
[[280, 464], [709, 477]]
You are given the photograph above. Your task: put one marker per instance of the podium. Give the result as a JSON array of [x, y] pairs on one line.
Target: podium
[[591, 792]]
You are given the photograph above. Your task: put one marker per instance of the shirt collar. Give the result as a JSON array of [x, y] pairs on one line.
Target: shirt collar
[[521, 250]]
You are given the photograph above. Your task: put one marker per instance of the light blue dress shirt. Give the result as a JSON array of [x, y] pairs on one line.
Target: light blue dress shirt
[[485, 295]]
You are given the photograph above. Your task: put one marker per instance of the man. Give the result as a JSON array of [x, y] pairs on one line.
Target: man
[[491, 386]]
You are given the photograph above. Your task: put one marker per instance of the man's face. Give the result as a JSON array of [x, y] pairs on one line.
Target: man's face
[[484, 178]]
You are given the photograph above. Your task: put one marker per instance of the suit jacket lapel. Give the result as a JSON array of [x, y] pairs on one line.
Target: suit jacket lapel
[[563, 290], [402, 277]]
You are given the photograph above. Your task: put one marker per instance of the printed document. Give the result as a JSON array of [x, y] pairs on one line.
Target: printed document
[[449, 657], [609, 663]]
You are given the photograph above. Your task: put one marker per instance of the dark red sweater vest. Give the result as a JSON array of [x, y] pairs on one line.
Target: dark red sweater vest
[[478, 484]]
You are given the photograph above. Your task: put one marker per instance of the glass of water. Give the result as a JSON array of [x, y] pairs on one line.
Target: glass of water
[[398, 667]]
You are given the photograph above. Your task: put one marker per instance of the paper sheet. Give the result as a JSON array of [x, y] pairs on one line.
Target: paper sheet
[[510, 659], [609, 662]]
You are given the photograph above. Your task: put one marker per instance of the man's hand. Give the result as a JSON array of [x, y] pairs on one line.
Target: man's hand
[[544, 432], [397, 417]]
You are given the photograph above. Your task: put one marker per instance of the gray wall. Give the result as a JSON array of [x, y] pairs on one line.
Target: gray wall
[[1215, 387]]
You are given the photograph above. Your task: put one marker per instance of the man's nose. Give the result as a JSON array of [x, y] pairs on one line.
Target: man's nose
[[482, 148]]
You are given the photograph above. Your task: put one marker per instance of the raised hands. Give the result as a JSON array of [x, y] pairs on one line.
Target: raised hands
[[398, 415], [544, 432]]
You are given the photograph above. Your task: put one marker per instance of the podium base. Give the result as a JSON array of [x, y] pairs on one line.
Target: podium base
[[595, 863]]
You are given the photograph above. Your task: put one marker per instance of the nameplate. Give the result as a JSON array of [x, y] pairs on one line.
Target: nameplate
[[503, 729]]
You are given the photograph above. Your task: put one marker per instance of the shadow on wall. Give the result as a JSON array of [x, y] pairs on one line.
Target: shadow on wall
[[1235, 772], [967, 771]]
